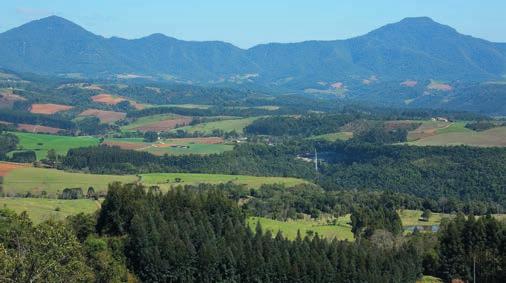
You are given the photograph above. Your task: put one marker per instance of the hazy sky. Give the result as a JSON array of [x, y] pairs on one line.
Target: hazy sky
[[246, 23]]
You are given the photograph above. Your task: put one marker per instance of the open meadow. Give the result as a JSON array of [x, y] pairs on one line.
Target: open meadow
[[165, 180], [341, 230], [42, 143], [53, 182], [229, 125], [41, 209]]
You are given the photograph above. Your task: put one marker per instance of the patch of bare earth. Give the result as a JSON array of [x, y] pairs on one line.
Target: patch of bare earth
[[49, 108], [6, 167], [107, 99], [164, 125], [440, 86], [337, 85], [409, 83], [38, 129], [104, 116]]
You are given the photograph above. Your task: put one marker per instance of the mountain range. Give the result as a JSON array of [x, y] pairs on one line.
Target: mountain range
[[414, 48]]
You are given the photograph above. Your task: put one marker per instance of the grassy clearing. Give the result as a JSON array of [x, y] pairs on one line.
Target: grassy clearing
[[343, 136], [455, 127], [165, 180], [142, 121], [429, 279], [188, 106], [412, 218], [36, 180], [488, 138], [41, 143], [341, 230], [40, 209], [194, 148], [237, 125]]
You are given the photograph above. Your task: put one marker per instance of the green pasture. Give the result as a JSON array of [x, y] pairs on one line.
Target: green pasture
[[332, 137], [41, 209], [456, 136], [42, 143], [36, 180], [193, 148], [341, 230], [237, 125], [165, 180]]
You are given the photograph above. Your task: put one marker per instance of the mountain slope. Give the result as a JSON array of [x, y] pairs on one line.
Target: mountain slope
[[412, 48]]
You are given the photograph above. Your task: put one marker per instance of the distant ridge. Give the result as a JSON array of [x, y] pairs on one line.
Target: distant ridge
[[414, 48]]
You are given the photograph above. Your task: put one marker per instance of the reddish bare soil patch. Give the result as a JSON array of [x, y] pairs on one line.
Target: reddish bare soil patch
[[409, 83], [440, 86], [38, 129], [107, 99], [164, 125], [127, 145], [49, 108], [104, 116], [337, 85], [136, 105], [6, 167]]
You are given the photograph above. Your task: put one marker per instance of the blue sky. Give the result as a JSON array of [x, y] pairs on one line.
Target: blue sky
[[246, 23]]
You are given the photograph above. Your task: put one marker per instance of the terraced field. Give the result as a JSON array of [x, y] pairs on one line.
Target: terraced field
[[41, 143]]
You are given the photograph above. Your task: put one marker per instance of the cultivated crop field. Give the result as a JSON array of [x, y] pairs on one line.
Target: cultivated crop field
[[53, 182], [157, 123], [41, 209], [104, 116], [341, 230], [49, 108], [41, 143], [165, 180], [204, 145]]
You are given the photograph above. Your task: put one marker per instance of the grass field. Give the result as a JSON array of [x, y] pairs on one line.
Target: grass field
[[412, 218], [237, 125], [343, 136], [165, 180], [341, 231], [194, 148], [173, 146], [454, 127], [41, 143], [40, 209], [456, 136], [429, 279], [53, 181]]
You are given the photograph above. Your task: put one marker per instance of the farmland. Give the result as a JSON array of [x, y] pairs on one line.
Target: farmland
[[488, 138], [41, 209], [204, 145], [341, 230], [237, 125], [49, 108], [36, 180], [41, 143], [157, 123], [343, 136], [165, 180], [104, 116], [108, 99]]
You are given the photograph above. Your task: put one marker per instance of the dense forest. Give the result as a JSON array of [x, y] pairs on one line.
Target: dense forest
[[472, 177], [187, 235]]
